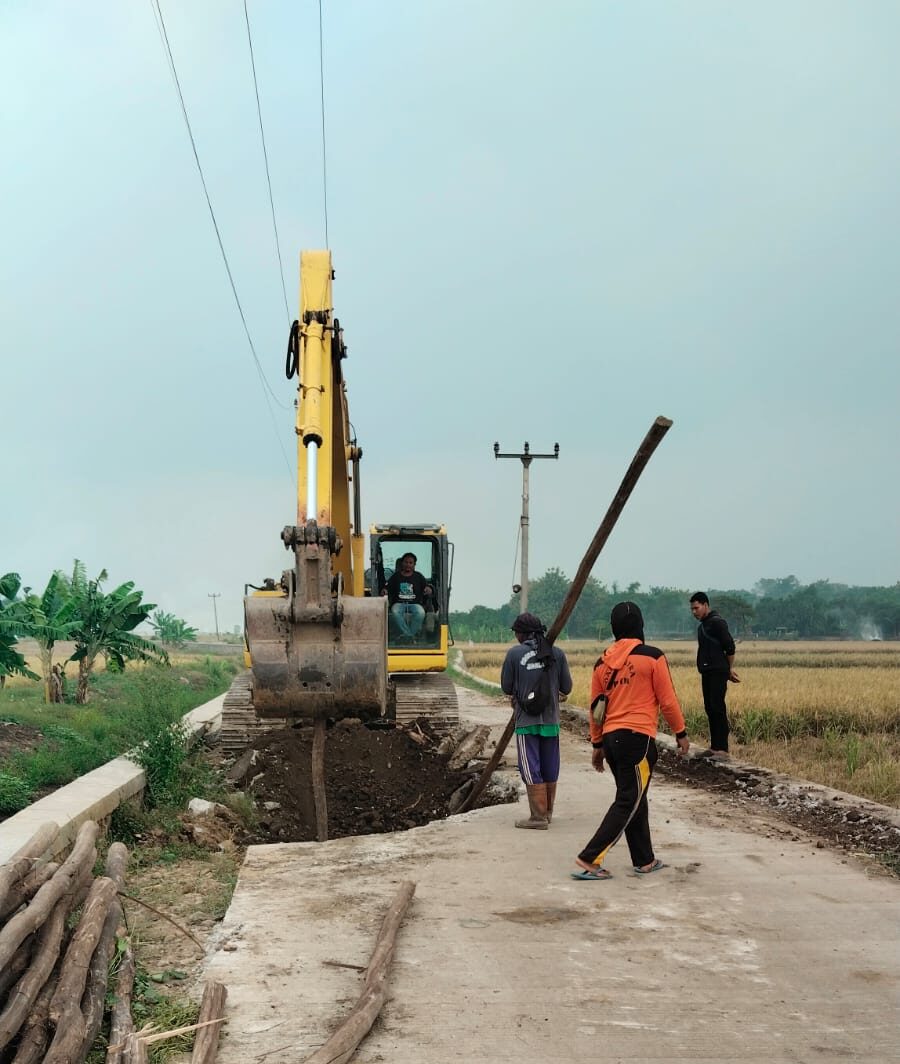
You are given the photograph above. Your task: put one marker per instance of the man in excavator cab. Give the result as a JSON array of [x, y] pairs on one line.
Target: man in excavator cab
[[410, 599]]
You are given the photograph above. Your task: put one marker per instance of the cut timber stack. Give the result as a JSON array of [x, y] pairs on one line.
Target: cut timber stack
[[59, 929], [53, 982]]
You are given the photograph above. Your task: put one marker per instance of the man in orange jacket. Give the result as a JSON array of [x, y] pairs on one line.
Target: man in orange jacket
[[632, 683]]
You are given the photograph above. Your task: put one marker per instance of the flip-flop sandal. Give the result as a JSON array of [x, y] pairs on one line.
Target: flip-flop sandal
[[655, 867], [591, 873]]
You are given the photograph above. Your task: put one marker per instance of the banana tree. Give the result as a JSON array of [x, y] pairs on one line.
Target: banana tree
[[52, 618], [172, 630], [13, 624], [105, 623]]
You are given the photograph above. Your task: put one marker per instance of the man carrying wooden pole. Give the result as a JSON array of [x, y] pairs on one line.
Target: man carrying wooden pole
[[649, 444]]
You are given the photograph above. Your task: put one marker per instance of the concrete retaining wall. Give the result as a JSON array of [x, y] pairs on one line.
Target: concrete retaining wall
[[91, 797]]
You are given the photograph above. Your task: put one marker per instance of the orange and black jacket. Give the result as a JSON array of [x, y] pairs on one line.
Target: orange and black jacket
[[634, 682]]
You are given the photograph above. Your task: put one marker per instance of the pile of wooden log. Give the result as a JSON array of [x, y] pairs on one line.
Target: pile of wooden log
[[54, 969]]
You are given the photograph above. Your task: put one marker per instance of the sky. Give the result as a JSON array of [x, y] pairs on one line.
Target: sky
[[549, 223]]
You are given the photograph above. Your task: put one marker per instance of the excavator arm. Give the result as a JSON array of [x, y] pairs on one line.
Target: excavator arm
[[318, 647], [327, 456]]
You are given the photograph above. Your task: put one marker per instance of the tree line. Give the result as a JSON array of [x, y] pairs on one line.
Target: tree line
[[776, 608], [75, 608]]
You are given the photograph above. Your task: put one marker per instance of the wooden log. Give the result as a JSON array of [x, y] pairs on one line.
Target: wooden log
[[94, 1000], [341, 1046], [65, 1005], [470, 747], [67, 1039], [26, 888], [648, 445], [23, 997], [318, 779], [11, 974], [135, 1051], [66, 876], [121, 1025], [212, 1007], [24, 859], [74, 971], [36, 1031]]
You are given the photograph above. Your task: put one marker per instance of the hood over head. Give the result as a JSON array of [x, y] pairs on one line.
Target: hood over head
[[627, 621]]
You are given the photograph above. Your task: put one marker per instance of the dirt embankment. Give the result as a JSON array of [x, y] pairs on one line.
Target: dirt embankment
[[837, 821]]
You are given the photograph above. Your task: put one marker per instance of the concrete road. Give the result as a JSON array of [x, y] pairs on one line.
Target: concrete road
[[753, 946]]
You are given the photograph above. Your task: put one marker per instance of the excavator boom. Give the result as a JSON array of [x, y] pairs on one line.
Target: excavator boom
[[318, 648]]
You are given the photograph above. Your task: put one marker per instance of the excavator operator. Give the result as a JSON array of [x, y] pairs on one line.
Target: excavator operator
[[409, 593]]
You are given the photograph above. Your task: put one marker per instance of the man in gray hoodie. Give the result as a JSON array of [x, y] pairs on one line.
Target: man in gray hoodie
[[535, 675]]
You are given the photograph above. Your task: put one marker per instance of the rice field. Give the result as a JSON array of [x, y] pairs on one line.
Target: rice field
[[823, 711]]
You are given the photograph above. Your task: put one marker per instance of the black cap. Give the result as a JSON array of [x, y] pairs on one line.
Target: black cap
[[627, 621], [527, 623]]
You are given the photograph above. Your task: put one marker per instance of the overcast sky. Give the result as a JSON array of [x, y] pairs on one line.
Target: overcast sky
[[549, 221]]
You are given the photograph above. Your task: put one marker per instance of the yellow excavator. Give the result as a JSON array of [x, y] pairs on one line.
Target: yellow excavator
[[336, 638]]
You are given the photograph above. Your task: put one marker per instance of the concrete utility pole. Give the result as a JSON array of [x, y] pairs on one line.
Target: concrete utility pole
[[525, 458], [214, 596]]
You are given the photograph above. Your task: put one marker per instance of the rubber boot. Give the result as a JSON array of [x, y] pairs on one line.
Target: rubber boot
[[537, 803], [551, 798]]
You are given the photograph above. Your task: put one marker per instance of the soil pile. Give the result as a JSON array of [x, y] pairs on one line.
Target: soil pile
[[376, 780]]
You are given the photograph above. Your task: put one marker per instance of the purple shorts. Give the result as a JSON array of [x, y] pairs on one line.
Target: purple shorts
[[538, 758]]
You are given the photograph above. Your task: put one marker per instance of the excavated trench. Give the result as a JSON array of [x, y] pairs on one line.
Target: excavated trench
[[377, 779]]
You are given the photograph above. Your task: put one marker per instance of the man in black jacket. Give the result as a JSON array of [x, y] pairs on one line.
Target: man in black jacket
[[715, 663]]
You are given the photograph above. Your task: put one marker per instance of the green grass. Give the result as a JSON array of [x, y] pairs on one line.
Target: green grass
[[138, 706], [472, 682], [151, 1006]]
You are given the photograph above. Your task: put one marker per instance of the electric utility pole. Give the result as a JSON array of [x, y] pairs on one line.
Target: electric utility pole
[[525, 458], [214, 596]]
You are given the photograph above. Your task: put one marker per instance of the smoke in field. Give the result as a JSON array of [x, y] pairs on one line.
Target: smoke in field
[[870, 631]]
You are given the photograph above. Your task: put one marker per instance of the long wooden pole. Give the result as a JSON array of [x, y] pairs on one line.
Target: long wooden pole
[[649, 444], [341, 1046], [318, 780]]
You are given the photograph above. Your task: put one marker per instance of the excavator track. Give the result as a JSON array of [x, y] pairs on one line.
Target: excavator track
[[423, 694], [240, 724], [426, 694]]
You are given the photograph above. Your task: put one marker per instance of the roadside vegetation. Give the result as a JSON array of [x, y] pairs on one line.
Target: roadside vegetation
[[139, 706], [826, 712], [77, 609], [168, 872]]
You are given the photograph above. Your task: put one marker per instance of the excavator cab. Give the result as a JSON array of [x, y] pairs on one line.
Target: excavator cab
[[410, 567], [418, 640]]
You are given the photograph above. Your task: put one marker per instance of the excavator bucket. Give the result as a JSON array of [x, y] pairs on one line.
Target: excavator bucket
[[315, 652]]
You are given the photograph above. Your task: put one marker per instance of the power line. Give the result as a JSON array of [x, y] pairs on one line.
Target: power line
[[266, 386], [262, 135], [322, 94]]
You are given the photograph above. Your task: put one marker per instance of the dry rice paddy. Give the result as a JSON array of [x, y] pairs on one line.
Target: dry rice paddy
[[827, 712]]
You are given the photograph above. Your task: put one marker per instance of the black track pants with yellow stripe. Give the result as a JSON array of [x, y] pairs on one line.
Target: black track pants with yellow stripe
[[631, 757]]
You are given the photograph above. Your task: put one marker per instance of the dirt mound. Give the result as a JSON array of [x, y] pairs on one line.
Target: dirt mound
[[376, 780]]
